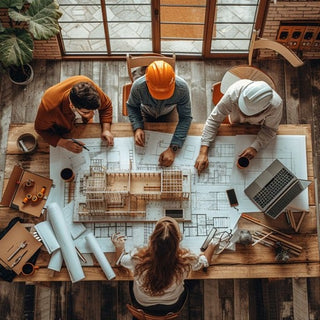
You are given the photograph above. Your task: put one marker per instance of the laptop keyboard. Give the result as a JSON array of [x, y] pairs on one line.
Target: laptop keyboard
[[266, 194], [278, 207]]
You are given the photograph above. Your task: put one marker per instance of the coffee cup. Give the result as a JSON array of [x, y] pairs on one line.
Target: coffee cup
[[29, 268], [67, 174], [242, 162]]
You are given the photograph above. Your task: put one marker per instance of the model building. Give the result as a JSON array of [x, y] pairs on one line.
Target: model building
[[105, 195]]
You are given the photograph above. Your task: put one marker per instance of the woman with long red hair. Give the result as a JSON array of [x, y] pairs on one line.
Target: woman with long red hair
[[160, 268]]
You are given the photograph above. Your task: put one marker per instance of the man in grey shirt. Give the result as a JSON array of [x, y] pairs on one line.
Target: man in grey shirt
[[160, 96], [245, 101]]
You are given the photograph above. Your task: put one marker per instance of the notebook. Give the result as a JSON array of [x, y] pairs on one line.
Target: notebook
[[274, 189]]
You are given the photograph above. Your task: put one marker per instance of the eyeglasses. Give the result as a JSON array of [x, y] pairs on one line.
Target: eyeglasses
[[222, 240]]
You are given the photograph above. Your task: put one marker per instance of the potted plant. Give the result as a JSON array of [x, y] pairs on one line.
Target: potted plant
[[27, 20]]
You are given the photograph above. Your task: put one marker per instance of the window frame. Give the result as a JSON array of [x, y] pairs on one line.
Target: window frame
[[156, 36]]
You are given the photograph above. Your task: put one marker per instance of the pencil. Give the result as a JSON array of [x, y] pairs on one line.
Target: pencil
[[79, 144]]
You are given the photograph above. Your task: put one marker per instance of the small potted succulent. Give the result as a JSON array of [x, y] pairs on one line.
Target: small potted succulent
[[26, 21]]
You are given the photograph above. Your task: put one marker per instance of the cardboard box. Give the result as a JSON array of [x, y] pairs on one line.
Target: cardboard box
[[26, 191]]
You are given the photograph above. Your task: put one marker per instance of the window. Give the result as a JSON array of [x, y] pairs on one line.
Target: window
[[187, 27]]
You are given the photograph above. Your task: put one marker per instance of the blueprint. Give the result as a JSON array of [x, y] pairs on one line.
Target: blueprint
[[209, 203]]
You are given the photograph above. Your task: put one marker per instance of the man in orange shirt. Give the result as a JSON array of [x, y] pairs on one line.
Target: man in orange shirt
[[75, 98]]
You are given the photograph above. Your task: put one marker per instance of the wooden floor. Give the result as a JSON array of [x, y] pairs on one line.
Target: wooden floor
[[289, 298]]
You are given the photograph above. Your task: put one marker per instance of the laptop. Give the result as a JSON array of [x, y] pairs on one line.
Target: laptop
[[274, 189]]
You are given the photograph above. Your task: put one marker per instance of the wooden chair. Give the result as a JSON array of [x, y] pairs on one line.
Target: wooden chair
[[141, 315], [260, 43], [135, 62], [216, 93]]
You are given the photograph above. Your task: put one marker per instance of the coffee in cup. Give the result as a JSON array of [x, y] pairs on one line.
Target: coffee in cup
[[67, 174], [242, 162]]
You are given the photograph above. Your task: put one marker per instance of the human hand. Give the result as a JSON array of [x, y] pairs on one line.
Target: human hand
[[70, 145], [108, 137], [118, 241], [202, 161], [139, 137], [166, 158], [249, 153]]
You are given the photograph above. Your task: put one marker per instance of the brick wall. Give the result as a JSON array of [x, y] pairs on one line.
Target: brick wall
[[47, 49], [288, 10], [44, 49]]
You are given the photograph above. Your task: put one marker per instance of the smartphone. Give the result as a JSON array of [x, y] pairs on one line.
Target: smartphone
[[231, 194]]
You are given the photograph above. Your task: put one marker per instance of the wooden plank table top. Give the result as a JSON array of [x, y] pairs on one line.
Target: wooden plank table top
[[245, 262]]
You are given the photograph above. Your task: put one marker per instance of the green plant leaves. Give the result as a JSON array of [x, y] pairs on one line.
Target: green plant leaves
[[16, 46], [44, 15], [37, 19]]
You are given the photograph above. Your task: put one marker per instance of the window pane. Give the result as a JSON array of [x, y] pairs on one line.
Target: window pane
[[233, 26], [183, 47], [82, 26], [129, 24], [131, 45], [181, 26], [82, 46]]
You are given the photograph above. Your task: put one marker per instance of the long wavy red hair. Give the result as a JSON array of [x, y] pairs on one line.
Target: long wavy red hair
[[163, 261]]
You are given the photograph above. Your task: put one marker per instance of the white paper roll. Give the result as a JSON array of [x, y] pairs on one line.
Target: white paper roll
[[65, 241], [98, 253], [56, 260]]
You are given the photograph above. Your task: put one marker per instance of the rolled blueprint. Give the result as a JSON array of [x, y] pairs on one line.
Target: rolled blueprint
[[98, 253], [56, 260], [65, 241]]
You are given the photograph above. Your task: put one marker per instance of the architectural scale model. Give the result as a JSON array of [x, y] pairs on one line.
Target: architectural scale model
[[103, 195]]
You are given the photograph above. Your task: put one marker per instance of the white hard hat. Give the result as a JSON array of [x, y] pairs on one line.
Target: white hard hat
[[255, 98]]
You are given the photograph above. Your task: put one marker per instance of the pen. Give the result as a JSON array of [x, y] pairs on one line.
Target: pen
[[79, 144]]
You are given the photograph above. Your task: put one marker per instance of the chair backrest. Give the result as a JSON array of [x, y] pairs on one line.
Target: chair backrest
[[216, 93], [141, 315], [261, 43], [145, 60]]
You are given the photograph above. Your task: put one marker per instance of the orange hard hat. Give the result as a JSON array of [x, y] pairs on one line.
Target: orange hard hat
[[160, 80]]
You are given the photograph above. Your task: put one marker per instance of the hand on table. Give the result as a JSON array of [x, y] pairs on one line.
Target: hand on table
[[108, 137], [139, 137], [70, 145], [202, 161], [249, 153], [166, 158]]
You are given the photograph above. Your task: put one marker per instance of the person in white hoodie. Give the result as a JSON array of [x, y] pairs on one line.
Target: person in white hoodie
[[247, 102]]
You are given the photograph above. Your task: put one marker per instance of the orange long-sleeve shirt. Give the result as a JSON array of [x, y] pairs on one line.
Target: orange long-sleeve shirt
[[55, 118]]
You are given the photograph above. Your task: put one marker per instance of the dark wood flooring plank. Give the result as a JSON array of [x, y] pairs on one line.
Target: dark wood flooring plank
[[53, 301], [314, 297], [109, 300], [277, 299], [305, 93], [11, 300], [226, 297], [241, 299], [196, 299], [29, 302], [300, 299], [211, 301], [123, 298], [291, 95]]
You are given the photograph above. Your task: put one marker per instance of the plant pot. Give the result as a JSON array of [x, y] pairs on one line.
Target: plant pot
[[21, 75]]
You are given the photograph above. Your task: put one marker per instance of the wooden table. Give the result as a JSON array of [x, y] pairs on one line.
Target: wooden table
[[246, 262], [244, 72]]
